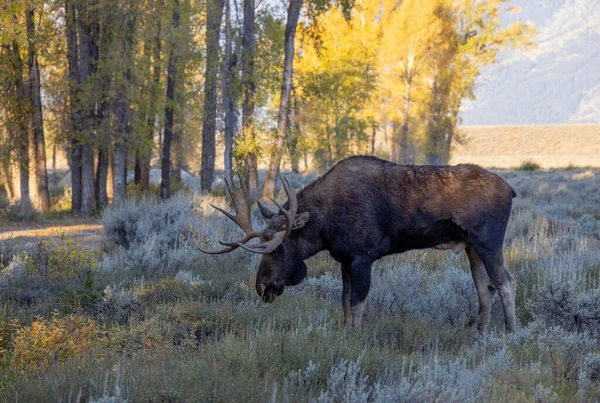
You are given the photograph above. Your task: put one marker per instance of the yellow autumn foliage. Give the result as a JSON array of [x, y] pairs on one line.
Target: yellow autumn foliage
[[47, 342], [60, 259]]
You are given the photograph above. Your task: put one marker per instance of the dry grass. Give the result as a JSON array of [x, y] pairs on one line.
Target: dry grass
[[550, 146]]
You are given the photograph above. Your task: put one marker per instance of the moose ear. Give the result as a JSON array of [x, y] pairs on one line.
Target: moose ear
[[300, 220], [266, 212]]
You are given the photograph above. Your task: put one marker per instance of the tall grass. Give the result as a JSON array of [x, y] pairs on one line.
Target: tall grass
[[162, 322]]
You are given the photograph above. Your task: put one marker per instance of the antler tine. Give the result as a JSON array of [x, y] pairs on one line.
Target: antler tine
[[292, 199], [217, 252], [266, 246], [290, 213], [231, 246], [228, 185], [243, 240], [225, 212], [240, 201]]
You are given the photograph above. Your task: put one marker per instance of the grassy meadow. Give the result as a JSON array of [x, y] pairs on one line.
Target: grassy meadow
[[550, 146], [134, 313]]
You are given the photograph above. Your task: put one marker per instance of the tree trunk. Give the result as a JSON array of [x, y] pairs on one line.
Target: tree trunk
[[88, 60], [103, 117], [14, 179], [214, 13], [144, 156], [119, 162], [406, 146], [74, 80], [176, 146], [146, 92], [33, 180], [123, 116], [435, 154], [450, 136], [228, 98], [103, 126], [88, 197], [141, 170], [295, 137], [249, 88], [329, 161], [384, 126], [171, 82], [110, 176], [7, 178], [20, 114], [374, 133], [395, 139], [43, 198], [305, 161], [286, 89], [102, 179]]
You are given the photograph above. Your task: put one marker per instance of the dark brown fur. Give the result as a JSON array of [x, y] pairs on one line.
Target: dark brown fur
[[365, 208]]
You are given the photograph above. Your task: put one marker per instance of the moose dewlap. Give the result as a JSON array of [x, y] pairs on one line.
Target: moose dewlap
[[365, 208]]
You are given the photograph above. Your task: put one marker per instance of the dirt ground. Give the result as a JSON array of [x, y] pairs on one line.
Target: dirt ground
[[21, 235]]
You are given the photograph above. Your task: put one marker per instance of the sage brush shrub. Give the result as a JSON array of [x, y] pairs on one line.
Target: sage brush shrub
[[117, 305], [567, 304], [300, 384], [447, 297], [61, 259], [544, 394], [588, 225], [429, 381], [326, 287], [156, 238], [566, 350], [153, 237], [16, 213], [528, 166], [433, 382], [58, 271], [589, 370], [131, 224], [346, 383]]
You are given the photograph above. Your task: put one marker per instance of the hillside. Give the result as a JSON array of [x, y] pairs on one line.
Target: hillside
[[551, 146], [558, 82]]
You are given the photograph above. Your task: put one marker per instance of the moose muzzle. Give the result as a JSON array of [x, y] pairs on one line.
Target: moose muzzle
[[269, 291]]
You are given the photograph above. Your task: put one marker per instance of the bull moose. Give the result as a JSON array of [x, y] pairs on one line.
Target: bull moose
[[365, 208]]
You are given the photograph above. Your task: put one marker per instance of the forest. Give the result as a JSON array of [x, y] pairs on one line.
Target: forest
[[122, 87], [119, 121]]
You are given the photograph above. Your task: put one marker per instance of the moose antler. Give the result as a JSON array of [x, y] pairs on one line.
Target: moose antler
[[240, 200]]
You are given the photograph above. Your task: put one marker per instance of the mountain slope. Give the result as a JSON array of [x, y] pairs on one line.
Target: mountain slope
[[558, 82]]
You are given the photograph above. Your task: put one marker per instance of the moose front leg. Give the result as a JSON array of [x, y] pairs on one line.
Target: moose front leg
[[360, 281]]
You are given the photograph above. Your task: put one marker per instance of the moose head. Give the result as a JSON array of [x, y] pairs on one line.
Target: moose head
[[282, 262]]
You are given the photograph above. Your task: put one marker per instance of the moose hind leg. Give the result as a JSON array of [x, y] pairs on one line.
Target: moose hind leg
[[360, 279], [506, 285], [346, 295], [484, 287]]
